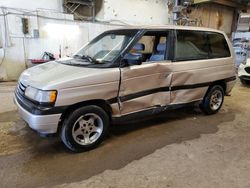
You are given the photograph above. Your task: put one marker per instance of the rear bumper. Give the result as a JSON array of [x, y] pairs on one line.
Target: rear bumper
[[44, 124]]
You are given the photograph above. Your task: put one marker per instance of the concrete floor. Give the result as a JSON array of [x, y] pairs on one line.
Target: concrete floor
[[181, 148]]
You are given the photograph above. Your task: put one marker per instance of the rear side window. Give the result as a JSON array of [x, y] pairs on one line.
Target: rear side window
[[195, 45], [218, 46], [191, 45]]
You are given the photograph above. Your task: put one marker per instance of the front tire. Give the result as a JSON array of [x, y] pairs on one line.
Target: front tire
[[85, 128], [213, 100]]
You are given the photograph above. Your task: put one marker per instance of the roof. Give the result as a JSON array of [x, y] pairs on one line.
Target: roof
[[172, 27]]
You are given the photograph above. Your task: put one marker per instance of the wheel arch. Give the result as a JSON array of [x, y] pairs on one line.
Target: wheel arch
[[98, 102], [221, 83]]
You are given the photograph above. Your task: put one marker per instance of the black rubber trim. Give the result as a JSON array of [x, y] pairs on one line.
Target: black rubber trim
[[247, 69], [245, 78], [230, 79], [193, 86], [143, 93], [37, 109], [112, 100], [164, 89]]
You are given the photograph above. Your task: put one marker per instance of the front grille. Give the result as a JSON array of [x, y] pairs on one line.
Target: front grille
[[247, 69], [21, 88]]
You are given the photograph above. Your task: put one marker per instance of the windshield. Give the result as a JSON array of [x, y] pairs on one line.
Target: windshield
[[105, 48]]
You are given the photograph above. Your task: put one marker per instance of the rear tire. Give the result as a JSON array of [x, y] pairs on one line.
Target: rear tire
[[85, 128], [213, 100]]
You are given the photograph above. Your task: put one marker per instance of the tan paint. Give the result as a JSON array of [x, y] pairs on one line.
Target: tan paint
[[98, 91], [75, 84], [145, 77], [115, 109], [201, 71], [187, 95], [230, 86], [195, 72], [169, 74], [142, 103]]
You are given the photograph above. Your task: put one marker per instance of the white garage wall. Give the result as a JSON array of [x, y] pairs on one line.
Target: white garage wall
[[54, 34], [62, 31], [136, 11], [33, 4]]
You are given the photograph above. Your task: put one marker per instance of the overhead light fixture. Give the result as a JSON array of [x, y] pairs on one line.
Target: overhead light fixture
[[61, 30]]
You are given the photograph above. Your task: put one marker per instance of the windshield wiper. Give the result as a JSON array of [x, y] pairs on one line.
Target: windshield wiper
[[86, 57]]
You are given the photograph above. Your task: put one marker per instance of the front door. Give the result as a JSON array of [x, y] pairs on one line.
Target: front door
[[146, 85]]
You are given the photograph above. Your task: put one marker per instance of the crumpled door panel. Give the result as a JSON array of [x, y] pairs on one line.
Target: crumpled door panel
[[144, 86]]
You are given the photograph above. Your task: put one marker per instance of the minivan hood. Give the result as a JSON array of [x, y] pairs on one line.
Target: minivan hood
[[55, 75]]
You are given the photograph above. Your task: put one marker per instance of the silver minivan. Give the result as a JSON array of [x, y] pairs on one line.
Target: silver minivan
[[123, 74]]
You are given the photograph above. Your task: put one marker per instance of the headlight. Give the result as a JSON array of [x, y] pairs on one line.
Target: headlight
[[40, 95]]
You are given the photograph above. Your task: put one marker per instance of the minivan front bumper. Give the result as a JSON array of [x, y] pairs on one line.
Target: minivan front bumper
[[44, 124]]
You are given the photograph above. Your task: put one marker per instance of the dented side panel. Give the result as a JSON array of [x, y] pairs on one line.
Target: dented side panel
[[193, 73], [166, 83], [187, 95], [145, 102], [140, 83]]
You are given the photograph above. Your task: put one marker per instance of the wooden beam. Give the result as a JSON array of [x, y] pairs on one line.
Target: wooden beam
[[234, 4]]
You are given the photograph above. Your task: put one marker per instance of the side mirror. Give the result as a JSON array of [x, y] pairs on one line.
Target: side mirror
[[124, 63], [131, 59]]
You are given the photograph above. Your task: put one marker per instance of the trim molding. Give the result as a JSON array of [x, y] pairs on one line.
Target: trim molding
[[164, 89], [143, 93]]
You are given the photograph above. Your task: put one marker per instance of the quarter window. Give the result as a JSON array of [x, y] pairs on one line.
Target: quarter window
[[195, 45], [218, 45]]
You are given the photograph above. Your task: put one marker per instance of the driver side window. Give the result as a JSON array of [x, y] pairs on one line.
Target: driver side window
[[151, 47]]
